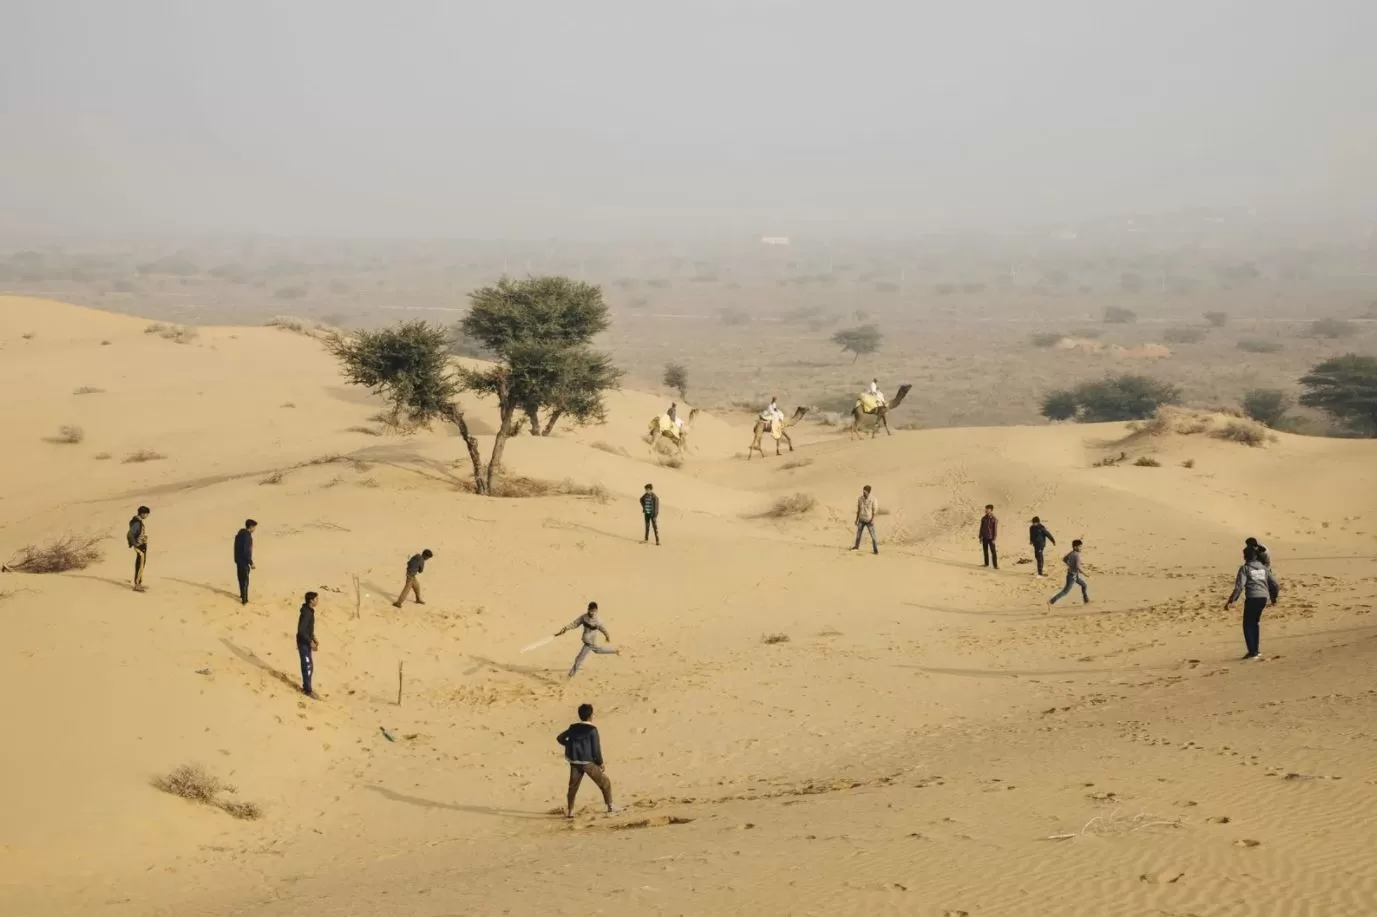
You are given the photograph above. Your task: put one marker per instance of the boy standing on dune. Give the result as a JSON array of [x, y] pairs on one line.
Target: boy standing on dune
[[243, 558], [650, 508], [1256, 582], [306, 644], [583, 751], [1038, 537], [866, 510], [989, 531], [138, 540]]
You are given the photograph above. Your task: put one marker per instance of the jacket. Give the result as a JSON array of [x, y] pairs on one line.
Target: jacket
[[989, 528], [243, 548], [591, 627], [416, 565], [138, 533], [650, 504], [1256, 581], [1038, 536], [306, 625], [581, 745]]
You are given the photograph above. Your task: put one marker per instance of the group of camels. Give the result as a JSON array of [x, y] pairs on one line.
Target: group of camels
[[662, 427]]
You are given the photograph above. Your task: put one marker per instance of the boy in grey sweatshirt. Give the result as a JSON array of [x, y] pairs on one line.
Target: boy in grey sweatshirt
[[1073, 575]]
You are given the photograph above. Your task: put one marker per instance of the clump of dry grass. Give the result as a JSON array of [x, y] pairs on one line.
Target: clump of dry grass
[[367, 431], [69, 435], [143, 455], [1242, 431], [101, 456], [791, 464], [521, 487], [87, 390], [1188, 463], [69, 552], [178, 334], [772, 639], [1110, 461], [277, 477], [1147, 461], [296, 325], [369, 482], [192, 782], [792, 505], [289, 404], [1116, 825]]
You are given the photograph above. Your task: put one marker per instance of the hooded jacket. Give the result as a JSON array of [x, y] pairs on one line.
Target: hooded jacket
[[581, 745], [1038, 536], [1256, 581]]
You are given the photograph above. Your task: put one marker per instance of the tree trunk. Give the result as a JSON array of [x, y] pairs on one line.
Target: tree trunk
[[533, 415], [856, 357], [480, 484], [555, 415], [504, 430]]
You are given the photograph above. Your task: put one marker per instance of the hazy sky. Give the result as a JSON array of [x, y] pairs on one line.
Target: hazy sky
[[488, 118]]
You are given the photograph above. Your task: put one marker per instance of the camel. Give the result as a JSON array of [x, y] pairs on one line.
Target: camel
[[781, 432], [660, 425], [859, 412]]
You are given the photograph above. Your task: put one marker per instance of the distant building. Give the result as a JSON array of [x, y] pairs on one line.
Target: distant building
[[774, 240]]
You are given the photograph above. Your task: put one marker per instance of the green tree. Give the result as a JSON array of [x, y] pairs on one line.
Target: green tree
[[1266, 405], [1059, 405], [409, 366], [863, 339], [676, 377], [1345, 388], [1126, 397]]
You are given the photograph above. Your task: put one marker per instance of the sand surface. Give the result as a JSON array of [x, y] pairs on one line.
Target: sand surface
[[930, 739]]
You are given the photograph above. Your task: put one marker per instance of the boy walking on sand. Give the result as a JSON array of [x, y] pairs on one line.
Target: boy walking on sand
[[1258, 585], [650, 508], [138, 540], [243, 558], [1073, 575], [591, 628], [866, 509], [306, 644], [989, 531], [415, 566], [583, 751], [1038, 537]]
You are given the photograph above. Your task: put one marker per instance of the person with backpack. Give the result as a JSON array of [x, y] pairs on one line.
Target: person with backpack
[[583, 751], [1038, 537], [1259, 587], [138, 540], [650, 509]]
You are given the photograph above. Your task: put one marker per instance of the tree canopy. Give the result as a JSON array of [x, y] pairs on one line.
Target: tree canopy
[[862, 339], [1345, 388], [1266, 405], [676, 377], [1127, 397]]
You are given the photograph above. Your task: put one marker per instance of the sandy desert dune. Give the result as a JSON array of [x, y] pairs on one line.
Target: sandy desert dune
[[930, 738]]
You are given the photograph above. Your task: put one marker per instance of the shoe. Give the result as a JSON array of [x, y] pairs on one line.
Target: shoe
[[396, 604], [1251, 656], [876, 551], [140, 588], [612, 810], [243, 601], [312, 695], [419, 602], [568, 813]]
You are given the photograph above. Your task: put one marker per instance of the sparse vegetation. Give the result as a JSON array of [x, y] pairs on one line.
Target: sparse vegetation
[[1217, 319], [87, 390], [69, 435], [1188, 463], [143, 455], [69, 552], [1333, 328], [864, 339], [1242, 431], [367, 431], [676, 377], [1259, 345], [792, 505], [1147, 461], [1183, 335], [179, 334], [192, 783], [773, 639], [277, 477], [1266, 405], [792, 464], [1047, 338], [1109, 461], [1346, 389], [1118, 315], [1114, 398], [101, 456], [521, 487]]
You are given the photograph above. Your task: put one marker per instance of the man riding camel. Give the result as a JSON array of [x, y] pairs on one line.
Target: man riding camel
[[772, 413], [875, 393]]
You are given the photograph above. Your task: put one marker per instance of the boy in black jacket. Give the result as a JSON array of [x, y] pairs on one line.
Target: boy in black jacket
[[138, 540], [306, 643], [583, 751], [243, 558], [1038, 537], [650, 508]]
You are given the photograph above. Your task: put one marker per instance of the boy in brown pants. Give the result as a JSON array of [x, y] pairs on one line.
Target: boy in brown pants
[[583, 751], [414, 568]]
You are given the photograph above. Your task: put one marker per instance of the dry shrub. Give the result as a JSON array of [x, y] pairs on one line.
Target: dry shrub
[[1147, 461], [1047, 338], [179, 334], [771, 639], [367, 431], [1110, 461], [143, 455], [277, 477], [296, 325], [193, 783], [289, 404], [1242, 431], [1188, 463], [795, 463], [70, 552], [102, 456], [87, 390], [521, 487], [68, 435], [1259, 345], [369, 482], [1117, 825], [792, 505]]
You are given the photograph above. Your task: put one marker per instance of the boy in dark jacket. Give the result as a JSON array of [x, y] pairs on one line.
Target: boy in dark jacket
[[650, 508], [415, 566], [1038, 537], [243, 558], [306, 644], [989, 531], [1256, 582], [583, 751], [138, 540]]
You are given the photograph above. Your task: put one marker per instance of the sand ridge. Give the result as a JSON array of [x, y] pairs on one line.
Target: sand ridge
[[912, 747]]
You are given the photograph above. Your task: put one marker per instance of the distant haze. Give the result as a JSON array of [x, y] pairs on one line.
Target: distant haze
[[529, 119]]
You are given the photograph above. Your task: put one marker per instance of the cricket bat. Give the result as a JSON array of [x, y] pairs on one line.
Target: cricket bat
[[538, 644]]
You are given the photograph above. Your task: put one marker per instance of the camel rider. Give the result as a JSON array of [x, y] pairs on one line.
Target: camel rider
[[772, 413], [673, 413], [875, 393]]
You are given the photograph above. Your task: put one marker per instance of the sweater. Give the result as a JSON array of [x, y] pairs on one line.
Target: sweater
[[650, 504], [243, 548], [1256, 581], [306, 625], [581, 745], [415, 566]]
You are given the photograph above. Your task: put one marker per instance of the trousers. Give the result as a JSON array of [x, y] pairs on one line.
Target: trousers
[[594, 773], [140, 561], [303, 649], [652, 524], [242, 570], [583, 654], [987, 547], [1252, 621]]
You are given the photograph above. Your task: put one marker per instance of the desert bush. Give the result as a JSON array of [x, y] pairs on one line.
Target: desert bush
[[101, 456], [1109, 461], [69, 552], [1266, 405], [1127, 397], [180, 334], [143, 455], [792, 505], [1333, 328], [68, 434], [1242, 431], [277, 477], [192, 783], [1047, 338], [1060, 405], [1217, 319], [1188, 463], [864, 339], [676, 377], [1118, 315], [1345, 388], [521, 487], [1147, 461], [772, 639], [87, 390], [792, 464], [1259, 345], [1183, 335]]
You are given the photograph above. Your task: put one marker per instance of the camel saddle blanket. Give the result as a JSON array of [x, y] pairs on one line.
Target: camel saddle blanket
[[775, 429], [868, 403]]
